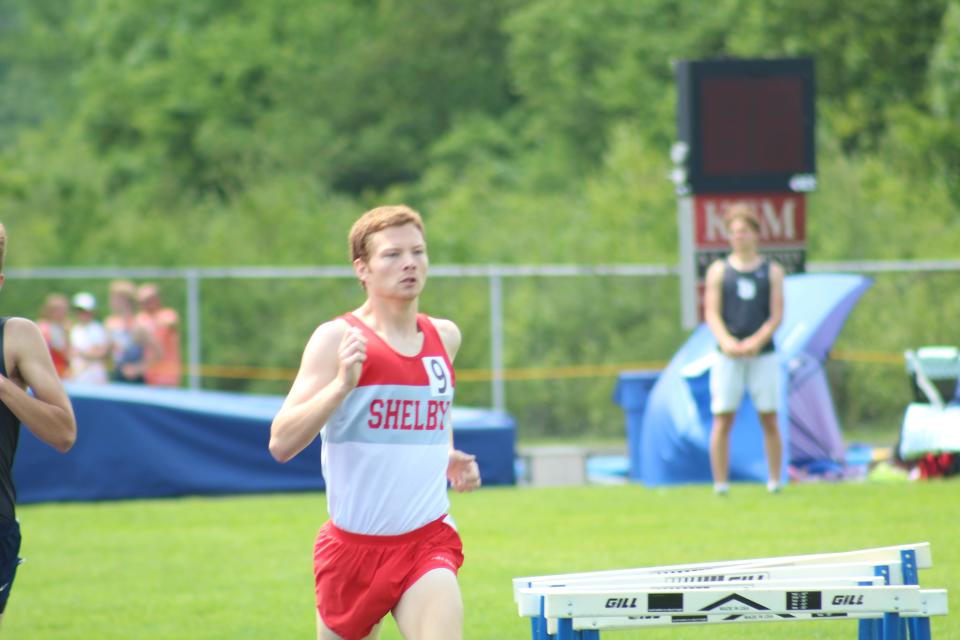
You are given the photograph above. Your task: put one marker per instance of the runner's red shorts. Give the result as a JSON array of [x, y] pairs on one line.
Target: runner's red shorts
[[360, 579]]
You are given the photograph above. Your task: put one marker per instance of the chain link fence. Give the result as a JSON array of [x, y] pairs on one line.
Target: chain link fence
[[545, 343]]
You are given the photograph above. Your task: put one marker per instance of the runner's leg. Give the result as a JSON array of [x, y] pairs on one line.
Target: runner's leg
[[431, 609]]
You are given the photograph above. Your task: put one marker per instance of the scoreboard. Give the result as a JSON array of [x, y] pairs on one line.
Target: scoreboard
[[745, 134], [745, 125]]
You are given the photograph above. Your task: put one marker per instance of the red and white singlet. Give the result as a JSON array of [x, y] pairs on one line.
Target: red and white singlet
[[386, 448]]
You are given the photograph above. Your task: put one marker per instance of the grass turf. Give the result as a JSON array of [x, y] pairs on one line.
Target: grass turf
[[240, 567]]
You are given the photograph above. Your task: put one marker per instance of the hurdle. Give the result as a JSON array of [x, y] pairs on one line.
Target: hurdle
[[879, 587]]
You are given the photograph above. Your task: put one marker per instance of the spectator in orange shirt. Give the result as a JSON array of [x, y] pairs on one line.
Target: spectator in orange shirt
[[164, 367], [54, 324]]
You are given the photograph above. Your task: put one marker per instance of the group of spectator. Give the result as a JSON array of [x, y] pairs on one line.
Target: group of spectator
[[138, 342]]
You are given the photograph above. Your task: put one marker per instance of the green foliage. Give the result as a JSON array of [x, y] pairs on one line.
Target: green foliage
[[605, 62], [944, 84], [37, 56], [877, 393], [869, 54], [219, 132]]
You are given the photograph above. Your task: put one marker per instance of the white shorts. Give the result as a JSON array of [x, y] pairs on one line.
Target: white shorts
[[730, 377]]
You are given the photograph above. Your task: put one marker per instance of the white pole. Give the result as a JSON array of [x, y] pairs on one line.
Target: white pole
[[193, 328], [687, 266], [496, 342]]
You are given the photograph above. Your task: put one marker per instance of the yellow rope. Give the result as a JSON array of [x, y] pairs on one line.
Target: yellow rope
[[531, 373]]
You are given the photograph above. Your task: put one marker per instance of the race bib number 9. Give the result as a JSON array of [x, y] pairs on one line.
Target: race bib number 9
[[441, 384]]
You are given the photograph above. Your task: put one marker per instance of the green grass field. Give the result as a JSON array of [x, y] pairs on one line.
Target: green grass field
[[240, 567]]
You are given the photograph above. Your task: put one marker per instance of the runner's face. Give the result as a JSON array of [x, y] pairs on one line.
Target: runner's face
[[397, 266]]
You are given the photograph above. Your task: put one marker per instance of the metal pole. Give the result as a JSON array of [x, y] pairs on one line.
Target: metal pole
[[687, 267], [496, 342], [193, 328]]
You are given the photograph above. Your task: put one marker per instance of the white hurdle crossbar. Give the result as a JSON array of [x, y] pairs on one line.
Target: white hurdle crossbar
[[933, 602], [528, 598], [877, 586], [734, 606], [875, 555]]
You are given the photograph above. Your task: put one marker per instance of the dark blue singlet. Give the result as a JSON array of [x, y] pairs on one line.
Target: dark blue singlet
[[9, 527], [9, 437], [745, 302]]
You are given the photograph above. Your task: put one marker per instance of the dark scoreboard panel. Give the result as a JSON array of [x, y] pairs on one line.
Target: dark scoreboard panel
[[745, 125]]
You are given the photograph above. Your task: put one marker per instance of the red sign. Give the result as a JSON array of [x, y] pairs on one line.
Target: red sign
[[783, 218], [783, 228]]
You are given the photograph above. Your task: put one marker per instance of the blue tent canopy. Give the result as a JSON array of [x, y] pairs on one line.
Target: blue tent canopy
[[675, 428]]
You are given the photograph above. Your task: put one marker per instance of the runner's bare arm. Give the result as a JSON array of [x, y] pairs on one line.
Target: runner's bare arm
[[48, 413], [462, 470], [329, 370], [449, 335]]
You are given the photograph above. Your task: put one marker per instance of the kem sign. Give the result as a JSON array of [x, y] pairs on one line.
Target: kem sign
[[782, 219]]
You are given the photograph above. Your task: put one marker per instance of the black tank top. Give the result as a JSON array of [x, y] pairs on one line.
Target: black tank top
[[9, 436], [746, 300]]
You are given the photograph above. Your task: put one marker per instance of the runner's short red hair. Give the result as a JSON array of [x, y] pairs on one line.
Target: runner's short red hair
[[377, 220]]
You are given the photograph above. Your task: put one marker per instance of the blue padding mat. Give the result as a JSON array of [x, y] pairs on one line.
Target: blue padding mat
[[137, 442]]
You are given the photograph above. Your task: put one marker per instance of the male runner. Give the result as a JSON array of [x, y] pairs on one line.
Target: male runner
[[26, 362], [377, 385]]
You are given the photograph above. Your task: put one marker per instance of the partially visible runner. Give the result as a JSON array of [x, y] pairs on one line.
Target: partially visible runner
[[377, 385], [26, 363]]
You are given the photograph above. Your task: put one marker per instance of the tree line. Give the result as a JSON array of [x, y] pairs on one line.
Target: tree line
[[216, 132]]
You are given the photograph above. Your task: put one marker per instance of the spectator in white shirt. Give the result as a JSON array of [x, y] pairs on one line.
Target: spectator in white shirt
[[89, 343]]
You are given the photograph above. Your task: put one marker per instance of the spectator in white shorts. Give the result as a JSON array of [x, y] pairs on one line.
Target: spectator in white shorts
[[743, 306]]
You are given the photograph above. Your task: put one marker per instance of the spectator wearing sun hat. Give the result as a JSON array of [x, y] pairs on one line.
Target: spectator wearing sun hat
[[89, 342]]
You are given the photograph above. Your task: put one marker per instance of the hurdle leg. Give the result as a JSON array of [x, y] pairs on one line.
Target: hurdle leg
[[873, 629], [565, 630], [540, 625], [869, 630], [919, 628], [892, 627]]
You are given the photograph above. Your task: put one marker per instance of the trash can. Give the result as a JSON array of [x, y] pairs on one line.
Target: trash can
[[631, 393]]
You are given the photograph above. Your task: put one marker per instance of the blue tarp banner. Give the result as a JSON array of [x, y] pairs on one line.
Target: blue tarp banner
[[136, 442]]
